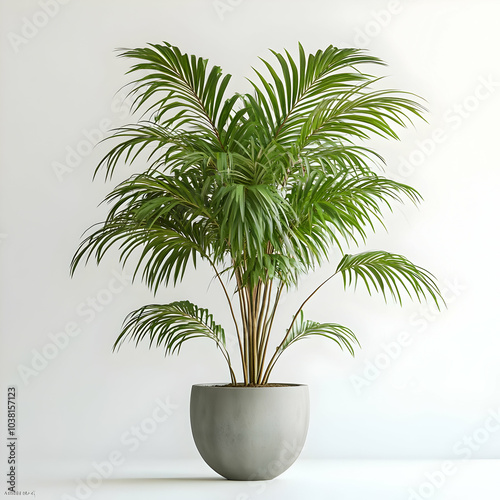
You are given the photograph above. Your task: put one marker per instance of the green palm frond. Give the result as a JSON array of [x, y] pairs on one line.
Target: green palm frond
[[250, 165], [282, 99], [262, 186], [384, 272], [152, 196], [323, 97], [163, 254], [301, 329], [359, 113], [251, 217], [337, 209], [134, 139], [170, 325], [340, 158], [181, 89], [356, 202], [162, 218]]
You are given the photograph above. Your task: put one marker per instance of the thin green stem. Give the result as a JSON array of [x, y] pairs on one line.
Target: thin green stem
[[230, 306]]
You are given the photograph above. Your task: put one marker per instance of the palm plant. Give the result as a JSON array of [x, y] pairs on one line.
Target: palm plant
[[263, 186]]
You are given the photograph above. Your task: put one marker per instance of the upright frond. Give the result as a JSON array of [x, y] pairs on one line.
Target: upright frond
[[180, 89]]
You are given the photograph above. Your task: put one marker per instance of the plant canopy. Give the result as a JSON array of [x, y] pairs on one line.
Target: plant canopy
[[263, 186]]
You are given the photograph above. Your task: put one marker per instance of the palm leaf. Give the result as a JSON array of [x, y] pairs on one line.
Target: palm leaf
[[170, 325], [301, 329], [334, 208], [262, 186], [181, 89], [385, 272], [323, 97], [162, 218]]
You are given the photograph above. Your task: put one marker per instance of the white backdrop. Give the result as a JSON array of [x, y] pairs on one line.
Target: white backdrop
[[424, 384]]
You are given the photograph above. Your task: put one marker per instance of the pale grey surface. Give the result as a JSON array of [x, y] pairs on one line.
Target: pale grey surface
[[436, 389], [249, 433], [306, 480]]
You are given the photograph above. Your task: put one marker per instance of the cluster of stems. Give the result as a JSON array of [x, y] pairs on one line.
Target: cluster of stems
[[258, 305]]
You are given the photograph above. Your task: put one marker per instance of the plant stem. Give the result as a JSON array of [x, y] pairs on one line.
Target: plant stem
[[244, 315], [259, 298], [231, 372], [248, 302], [268, 328], [278, 351], [263, 319], [238, 335]]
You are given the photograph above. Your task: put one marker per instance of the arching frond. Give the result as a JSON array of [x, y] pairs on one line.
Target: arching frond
[[170, 325], [264, 186], [385, 272], [323, 97], [181, 89], [302, 329]]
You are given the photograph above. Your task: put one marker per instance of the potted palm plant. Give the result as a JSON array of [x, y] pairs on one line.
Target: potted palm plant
[[263, 186]]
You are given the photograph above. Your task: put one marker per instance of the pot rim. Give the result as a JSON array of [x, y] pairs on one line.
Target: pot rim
[[274, 385]]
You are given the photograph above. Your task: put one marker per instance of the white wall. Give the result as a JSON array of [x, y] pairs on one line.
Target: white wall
[[57, 87]]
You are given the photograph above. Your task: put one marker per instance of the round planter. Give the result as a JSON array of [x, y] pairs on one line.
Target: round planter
[[249, 433]]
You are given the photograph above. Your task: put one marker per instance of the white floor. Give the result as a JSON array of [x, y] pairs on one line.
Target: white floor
[[305, 480]]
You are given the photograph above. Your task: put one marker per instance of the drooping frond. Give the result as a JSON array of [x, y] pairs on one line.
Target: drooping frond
[[385, 272], [170, 325], [159, 219], [338, 209], [302, 329]]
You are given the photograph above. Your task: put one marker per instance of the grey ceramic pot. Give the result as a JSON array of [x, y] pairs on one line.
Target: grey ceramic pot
[[249, 433]]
